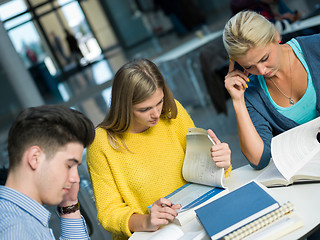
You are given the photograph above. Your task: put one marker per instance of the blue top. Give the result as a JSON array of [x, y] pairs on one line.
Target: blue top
[[305, 109], [23, 218], [267, 120]]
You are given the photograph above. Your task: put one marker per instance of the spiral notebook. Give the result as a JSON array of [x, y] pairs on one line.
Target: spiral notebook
[[271, 226]]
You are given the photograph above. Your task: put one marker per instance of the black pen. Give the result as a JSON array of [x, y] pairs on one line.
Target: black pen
[[166, 205]]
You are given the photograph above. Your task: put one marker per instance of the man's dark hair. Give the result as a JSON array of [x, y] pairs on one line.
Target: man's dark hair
[[50, 127]]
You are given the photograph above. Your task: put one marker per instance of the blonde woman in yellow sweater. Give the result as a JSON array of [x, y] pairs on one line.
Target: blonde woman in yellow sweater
[[137, 155]]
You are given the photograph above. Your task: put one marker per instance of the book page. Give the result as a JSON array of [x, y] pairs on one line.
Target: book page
[[271, 176], [311, 171], [198, 165], [292, 149], [171, 231], [192, 196], [188, 194]]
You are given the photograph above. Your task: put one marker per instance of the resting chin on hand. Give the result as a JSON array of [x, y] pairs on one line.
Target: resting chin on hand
[[70, 199]]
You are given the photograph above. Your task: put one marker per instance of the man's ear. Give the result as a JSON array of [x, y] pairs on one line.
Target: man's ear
[[33, 156]]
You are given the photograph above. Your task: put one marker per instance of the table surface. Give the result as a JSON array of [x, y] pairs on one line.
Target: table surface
[[302, 24], [187, 47], [305, 198]]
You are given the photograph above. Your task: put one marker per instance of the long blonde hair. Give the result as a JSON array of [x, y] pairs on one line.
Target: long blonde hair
[[133, 83], [246, 30]]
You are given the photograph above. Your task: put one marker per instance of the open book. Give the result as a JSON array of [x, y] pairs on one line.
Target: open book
[[192, 196], [295, 155], [198, 166], [204, 177]]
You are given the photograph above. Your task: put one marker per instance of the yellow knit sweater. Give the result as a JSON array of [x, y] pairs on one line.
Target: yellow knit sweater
[[127, 182]]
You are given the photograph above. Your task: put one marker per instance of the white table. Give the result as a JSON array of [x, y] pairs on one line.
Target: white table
[[187, 47], [305, 198], [302, 24]]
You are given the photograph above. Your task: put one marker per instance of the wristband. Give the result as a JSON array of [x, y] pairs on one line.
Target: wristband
[[68, 209]]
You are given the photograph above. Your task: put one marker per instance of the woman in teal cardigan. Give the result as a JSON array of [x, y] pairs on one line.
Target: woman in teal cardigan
[[284, 84]]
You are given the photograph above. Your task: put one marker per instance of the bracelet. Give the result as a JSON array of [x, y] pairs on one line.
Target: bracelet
[[68, 209]]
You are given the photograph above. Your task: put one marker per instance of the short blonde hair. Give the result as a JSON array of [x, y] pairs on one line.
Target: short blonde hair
[[246, 30], [133, 83]]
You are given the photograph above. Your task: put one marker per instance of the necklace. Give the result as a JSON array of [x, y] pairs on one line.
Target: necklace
[[291, 101]]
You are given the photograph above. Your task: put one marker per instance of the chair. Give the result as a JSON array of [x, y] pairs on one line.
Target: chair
[[214, 66]]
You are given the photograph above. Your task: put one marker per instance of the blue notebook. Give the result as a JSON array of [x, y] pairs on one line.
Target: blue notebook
[[236, 209]]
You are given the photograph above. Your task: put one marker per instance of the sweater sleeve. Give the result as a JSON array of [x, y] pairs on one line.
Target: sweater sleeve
[[113, 213], [265, 132]]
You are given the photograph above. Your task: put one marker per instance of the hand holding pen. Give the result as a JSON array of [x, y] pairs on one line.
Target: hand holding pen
[[162, 212]]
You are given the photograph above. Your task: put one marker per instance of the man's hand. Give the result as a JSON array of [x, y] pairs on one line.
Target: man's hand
[[69, 199]]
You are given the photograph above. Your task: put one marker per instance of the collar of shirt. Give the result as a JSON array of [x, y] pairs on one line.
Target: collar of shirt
[[27, 204]]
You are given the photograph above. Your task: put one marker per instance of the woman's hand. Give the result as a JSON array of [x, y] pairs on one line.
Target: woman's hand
[[162, 212], [220, 152], [236, 82]]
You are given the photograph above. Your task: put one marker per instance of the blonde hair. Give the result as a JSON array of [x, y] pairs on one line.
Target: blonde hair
[[246, 30], [133, 83]]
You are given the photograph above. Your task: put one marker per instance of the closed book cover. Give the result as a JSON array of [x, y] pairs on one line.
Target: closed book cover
[[236, 209]]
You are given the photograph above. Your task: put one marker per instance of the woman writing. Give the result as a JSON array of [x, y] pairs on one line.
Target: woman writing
[[283, 87], [136, 158]]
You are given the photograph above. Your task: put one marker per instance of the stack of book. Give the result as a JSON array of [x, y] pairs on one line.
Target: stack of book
[[248, 212]]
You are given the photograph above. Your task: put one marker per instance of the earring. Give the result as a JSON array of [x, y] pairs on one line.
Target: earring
[[279, 41]]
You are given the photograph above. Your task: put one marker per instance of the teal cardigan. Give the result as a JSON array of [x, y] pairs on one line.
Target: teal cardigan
[[266, 119]]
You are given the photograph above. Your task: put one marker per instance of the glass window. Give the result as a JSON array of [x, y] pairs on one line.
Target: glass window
[[37, 2], [11, 9], [27, 43], [76, 21], [62, 2], [43, 9], [73, 13], [17, 21]]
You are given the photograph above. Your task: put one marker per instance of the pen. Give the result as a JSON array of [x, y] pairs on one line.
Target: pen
[[166, 205], [178, 210]]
